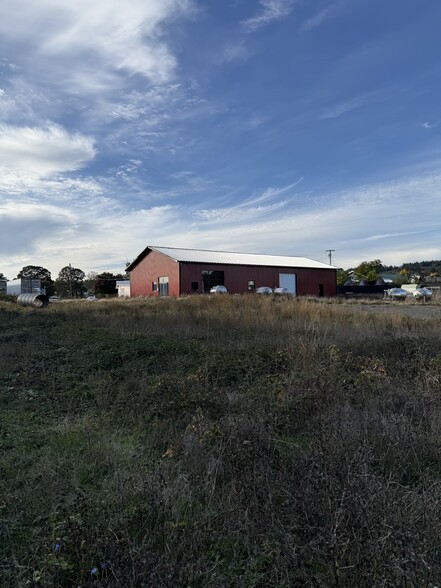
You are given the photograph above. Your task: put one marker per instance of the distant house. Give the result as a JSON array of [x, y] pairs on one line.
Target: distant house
[[123, 288], [170, 271]]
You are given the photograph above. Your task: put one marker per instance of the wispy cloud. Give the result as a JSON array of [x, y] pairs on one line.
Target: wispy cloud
[[271, 10], [240, 213], [340, 108], [152, 120], [365, 222], [252, 207], [322, 16], [271, 193], [193, 182], [234, 51], [346, 220], [89, 41]]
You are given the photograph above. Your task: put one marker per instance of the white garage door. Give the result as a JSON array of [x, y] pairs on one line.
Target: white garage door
[[288, 281]]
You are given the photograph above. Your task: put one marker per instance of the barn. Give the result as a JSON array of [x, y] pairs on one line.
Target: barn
[[170, 271]]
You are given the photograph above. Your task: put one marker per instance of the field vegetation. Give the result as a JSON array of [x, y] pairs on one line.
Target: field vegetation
[[219, 441]]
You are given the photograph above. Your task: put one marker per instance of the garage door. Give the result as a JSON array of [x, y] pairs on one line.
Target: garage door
[[288, 281]]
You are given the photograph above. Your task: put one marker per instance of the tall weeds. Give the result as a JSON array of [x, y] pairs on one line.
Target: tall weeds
[[219, 441]]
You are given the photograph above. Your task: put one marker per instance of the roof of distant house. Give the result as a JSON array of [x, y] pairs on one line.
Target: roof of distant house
[[231, 258]]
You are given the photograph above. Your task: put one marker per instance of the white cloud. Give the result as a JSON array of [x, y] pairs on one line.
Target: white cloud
[[38, 152], [394, 221], [271, 10], [92, 230], [367, 222], [90, 40]]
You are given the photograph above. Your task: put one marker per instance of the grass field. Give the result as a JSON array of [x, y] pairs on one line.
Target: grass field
[[219, 441]]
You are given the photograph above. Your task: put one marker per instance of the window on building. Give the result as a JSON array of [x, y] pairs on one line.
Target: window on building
[[154, 286], [195, 287], [251, 285], [163, 286], [212, 278], [321, 290]]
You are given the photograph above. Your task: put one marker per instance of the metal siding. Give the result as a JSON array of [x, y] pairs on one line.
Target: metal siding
[[149, 269], [24, 286], [236, 278]]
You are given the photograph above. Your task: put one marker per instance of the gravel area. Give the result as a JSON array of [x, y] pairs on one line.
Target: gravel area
[[416, 311]]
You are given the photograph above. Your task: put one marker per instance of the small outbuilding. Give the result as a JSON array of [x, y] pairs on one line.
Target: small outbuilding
[[123, 287], [170, 271]]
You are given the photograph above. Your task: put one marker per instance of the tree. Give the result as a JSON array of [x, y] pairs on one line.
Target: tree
[[403, 277], [342, 277], [3, 277], [70, 282], [36, 272], [368, 270], [105, 283], [89, 282]]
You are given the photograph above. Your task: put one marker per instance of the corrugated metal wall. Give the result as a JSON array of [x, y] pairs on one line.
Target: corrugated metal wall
[[237, 278], [153, 266]]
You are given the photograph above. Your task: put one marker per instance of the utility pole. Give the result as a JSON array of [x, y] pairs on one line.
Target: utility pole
[[330, 252], [70, 279]]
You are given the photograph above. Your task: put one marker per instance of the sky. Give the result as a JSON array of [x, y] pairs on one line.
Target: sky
[[266, 126]]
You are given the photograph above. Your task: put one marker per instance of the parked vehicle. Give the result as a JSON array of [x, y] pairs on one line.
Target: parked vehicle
[[218, 290], [264, 290], [422, 294], [397, 293], [282, 291]]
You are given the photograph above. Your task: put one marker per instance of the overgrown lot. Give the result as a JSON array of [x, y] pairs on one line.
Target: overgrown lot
[[216, 442]]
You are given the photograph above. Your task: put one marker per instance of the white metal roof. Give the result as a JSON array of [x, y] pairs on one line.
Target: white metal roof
[[230, 258]]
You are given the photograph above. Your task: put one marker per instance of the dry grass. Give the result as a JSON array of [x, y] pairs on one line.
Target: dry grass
[[219, 441]]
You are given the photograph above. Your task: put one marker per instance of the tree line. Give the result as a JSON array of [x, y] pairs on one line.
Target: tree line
[[369, 272], [72, 282]]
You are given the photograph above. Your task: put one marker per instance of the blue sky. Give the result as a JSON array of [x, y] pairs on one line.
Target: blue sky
[[268, 126]]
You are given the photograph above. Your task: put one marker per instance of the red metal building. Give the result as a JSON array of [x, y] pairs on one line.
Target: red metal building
[[170, 271]]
